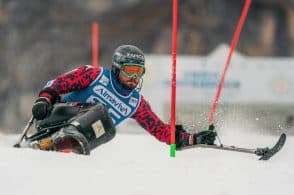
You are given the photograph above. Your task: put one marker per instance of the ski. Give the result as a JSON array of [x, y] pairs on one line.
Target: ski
[[267, 154], [264, 153]]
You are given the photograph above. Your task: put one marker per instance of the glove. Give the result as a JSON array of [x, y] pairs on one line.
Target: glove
[[205, 137], [41, 109]]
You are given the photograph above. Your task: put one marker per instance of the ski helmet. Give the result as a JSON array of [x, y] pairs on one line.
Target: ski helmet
[[128, 55]]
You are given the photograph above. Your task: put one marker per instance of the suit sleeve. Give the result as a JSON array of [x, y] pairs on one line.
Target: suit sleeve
[[147, 119], [74, 80]]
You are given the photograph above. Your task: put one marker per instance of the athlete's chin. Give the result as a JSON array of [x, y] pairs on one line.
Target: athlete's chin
[[131, 85]]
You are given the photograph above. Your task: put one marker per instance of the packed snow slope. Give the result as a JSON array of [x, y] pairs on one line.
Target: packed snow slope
[[140, 165]]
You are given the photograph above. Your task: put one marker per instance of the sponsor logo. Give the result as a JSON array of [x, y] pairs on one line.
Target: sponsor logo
[[135, 56], [98, 128], [49, 83], [88, 67], [104, 80], [133, 101], [204, 80], [111, 99]]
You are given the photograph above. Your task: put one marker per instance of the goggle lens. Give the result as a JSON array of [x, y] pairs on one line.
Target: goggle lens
[[133, 70]]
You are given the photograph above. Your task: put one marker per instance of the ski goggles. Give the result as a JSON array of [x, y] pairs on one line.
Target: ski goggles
[[131, 71]]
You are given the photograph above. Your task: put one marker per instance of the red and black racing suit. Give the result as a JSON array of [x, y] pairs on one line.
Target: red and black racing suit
[[82, 77]]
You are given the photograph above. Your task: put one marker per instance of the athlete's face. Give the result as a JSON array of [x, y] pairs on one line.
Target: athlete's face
[[129, 83]]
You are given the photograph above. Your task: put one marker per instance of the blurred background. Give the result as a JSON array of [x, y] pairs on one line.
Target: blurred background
[[41, 39]]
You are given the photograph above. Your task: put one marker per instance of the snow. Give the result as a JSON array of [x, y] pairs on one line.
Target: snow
[[140, 165]]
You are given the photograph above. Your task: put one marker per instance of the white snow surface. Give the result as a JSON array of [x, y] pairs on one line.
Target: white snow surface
[[140, 165]]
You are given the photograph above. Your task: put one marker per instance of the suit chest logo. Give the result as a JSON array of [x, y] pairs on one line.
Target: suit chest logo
[[112, 100]]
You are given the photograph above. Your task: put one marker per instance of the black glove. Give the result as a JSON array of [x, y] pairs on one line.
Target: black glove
[[205, 137], [41, 109]]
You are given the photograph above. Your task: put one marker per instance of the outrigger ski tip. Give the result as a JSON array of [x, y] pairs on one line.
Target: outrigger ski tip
[[264, 153], [267, 153]]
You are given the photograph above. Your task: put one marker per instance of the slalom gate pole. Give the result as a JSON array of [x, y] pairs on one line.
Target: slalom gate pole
[[173, 80], [232, 48], [95, 44]]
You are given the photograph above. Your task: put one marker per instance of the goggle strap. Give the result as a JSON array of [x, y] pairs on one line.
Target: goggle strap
[[134, 64]]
